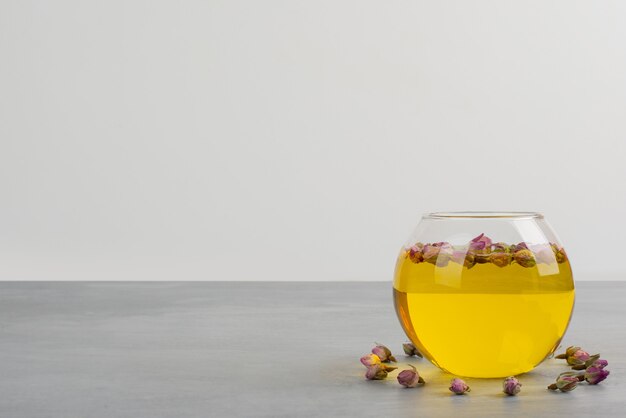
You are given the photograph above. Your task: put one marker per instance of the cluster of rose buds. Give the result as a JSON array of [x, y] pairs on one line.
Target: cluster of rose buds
[[410, 350], [593, 366], [378, 370], [481, 250], [374, 362], [410, 378]]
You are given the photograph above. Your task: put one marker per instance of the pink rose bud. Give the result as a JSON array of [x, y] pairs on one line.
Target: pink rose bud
[[580, 356], [383, 353], [595, 375], [410, 350], [511, 386], [376, 372], [415, 253], [566, 382], [430, 253], [439, 253], [410, 378], [370, 360], [458, 386]]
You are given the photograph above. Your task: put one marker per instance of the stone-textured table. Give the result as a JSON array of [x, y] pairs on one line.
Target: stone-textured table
[[179, 349]]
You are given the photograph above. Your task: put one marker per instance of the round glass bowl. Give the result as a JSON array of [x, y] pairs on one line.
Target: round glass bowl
[[484, 294]]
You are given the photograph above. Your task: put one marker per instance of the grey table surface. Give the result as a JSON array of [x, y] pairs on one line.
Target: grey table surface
[[215, 349]]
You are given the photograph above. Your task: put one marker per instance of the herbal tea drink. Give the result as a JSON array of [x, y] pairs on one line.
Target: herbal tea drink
[[484, 308]]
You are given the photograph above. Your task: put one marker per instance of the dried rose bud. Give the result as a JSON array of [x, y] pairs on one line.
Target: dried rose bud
[[481, 243], [410, 350], [524, 258], [410, 378], [430, 253], [415, 254], [439, 253], [578, 364], [559, 253], [566, 382], [595, 375], [578, 357], [500, 247], [376, 372], [370, 360], [458, 386], [470, 260], [511, 386], [383, 353], [500, 259]]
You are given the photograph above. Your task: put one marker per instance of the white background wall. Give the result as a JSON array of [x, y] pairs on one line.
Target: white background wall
[[301, 140]]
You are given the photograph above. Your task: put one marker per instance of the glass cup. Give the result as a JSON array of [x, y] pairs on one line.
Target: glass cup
[[484, 294]]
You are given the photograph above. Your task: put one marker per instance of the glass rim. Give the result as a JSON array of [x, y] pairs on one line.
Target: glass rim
[[483, 215]]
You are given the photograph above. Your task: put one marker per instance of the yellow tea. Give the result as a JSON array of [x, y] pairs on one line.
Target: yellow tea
[[479, 312]]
